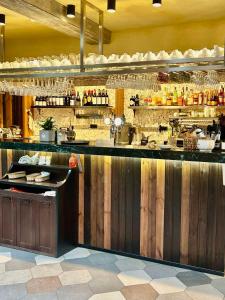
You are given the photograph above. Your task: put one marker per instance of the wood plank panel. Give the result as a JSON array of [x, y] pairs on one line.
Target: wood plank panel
[[160, 206], [144, 223], [126, 191], [172, 217], [185, 202], [81, 204], [107, 202], [152, 208], [87, 199]]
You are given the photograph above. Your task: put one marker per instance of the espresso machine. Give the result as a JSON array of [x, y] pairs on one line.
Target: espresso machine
[[120, 130]]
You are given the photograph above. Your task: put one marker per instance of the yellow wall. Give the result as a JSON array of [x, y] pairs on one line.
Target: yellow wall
[[182, 36]]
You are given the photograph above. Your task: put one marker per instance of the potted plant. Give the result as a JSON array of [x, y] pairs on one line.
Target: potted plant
[[47, 134]]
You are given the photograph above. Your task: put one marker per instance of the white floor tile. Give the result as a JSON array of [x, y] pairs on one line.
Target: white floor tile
[[167, 285], [75, 277], [134, 277], [15, 277], [45, 260], [46, 270], [77, 253], [108, 296]]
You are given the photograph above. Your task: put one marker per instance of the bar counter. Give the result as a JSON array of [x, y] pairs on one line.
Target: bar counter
[[120, 151], [162, 205]]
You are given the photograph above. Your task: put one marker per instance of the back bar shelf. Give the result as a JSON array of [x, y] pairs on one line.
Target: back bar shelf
[[104, 70]]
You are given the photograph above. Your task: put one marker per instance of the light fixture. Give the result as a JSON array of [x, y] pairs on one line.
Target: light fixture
[[2, 19], [111, 7], [70, 11], [157, 3]]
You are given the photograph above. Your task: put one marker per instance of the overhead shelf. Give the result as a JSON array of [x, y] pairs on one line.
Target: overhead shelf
[[73, 107], [173, 107], [103, 70]]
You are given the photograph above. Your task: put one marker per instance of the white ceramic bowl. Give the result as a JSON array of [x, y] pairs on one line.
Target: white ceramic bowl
[[205, 145], [125, 58], [165, 147], [163, 55], [150, 56], [176, 54], [190, 53]]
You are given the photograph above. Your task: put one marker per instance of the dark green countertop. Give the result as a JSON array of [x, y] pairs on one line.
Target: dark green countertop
[[121, 151]]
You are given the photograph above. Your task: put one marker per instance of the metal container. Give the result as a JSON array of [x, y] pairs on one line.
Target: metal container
[[125, 134], [47, 135]]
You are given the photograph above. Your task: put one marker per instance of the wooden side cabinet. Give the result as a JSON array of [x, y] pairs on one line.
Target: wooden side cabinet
[[32, 221]]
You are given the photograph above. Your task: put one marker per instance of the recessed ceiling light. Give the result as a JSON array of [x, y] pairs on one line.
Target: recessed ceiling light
[[2, 19], [157, 3], [111, 7], [70, 11]]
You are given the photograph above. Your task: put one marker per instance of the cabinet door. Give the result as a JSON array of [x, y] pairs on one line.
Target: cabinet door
[[25, 223], [46, 226], [7, 221]]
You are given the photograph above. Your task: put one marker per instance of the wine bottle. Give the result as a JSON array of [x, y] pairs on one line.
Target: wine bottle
[[94, 98], [106, 99]]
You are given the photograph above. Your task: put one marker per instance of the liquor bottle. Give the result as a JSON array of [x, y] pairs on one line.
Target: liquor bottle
[[180, 100], [190, 98], [99, 98], [201, 98], [78, 100], [168, 99], [137, 100], [89, 98], [106, 98], [164, 96], [91, 95], [174, 97], [205, 98], [221, 96], [195, 98], [73, 98], [94, 98], [84, 100], [103, 98]]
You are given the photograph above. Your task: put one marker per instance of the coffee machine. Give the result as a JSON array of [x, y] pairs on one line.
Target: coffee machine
[[120, 130]]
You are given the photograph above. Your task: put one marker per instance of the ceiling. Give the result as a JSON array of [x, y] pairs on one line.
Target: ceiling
[[129, 14]]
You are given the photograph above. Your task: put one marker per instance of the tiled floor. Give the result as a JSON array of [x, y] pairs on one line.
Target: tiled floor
[[86, 274]]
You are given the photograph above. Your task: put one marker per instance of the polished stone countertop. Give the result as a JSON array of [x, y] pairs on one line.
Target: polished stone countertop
[[119, 151]]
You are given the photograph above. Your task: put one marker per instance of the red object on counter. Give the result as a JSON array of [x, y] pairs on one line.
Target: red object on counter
[[73, 162], [16, 190]]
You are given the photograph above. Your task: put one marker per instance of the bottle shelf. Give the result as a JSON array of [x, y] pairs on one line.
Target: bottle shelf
[[73, 107], [174, 107]]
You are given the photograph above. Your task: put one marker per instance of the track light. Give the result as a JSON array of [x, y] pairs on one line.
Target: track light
[[70, 11], [157, 3], [111, 7], [2, 20]]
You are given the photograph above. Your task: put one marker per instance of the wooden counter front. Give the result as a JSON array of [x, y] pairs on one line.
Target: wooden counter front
[[160, 209]]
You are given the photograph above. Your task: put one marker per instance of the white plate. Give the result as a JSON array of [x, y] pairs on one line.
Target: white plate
[[165, 147]]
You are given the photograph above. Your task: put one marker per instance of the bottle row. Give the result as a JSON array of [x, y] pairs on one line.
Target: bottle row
[[89, 98], [181, 96]]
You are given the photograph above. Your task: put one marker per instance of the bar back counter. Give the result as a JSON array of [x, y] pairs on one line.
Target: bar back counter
[[167, 206]]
